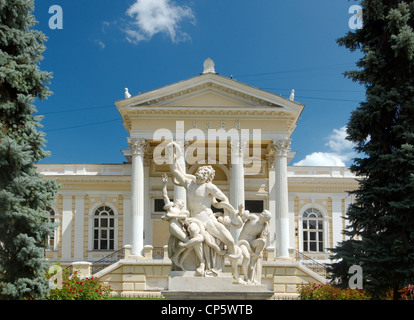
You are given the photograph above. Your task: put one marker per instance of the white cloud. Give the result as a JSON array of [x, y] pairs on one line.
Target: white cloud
[[321, 159], [100, 44], [337, 141], [105, 24], [341, 152], [157, 16]]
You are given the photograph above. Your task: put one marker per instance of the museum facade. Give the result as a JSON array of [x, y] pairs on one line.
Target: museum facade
[[242, 132]]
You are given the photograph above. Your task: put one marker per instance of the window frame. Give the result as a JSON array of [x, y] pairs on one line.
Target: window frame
[[319, 239], [54, 218], [110, 230]]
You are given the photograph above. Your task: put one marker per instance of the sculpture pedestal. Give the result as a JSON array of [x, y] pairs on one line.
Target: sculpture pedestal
[[185, 285]]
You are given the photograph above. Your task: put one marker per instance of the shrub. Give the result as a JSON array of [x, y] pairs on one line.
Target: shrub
[[77, 288], [407, 293], [313, 291]]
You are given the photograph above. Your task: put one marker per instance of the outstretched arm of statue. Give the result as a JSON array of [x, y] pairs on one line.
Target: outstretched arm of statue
[[164, 189], [185, 176], [179, 177]]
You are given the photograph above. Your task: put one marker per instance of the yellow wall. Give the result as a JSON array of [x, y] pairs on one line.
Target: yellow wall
[[160, 233]]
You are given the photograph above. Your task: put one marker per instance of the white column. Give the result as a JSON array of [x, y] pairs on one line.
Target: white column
[[147, 205], [282, 200], [272, 194], [79, 227], [67, 228], [237, 178], [138, 146]]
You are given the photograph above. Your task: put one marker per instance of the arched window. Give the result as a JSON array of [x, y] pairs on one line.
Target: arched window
[[312, 227], [103, 228]]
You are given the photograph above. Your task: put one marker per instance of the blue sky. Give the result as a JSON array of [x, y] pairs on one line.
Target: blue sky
[[276, 45]]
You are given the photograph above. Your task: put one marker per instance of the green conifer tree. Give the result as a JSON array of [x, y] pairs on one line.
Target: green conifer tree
[[381, 221], [24, 194]]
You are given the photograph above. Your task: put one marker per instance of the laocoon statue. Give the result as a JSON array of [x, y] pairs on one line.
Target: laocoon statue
[[200, 239]]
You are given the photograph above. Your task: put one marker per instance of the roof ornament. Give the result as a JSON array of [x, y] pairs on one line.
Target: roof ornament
[[208, 66], [127, 94], [292, 95]]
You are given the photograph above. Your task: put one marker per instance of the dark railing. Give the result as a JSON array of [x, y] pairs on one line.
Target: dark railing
[[315, 266], [108, 260]]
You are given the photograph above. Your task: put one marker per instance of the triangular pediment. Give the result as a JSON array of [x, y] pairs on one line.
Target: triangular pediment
[[209, 90], [212, 99], [210, 95]]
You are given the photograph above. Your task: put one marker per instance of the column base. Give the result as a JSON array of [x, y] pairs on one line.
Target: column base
[[136, 257], [284, 258]]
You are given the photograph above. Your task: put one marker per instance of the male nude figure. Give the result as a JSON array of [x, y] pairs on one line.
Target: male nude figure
[[200, 192], [252, 241]]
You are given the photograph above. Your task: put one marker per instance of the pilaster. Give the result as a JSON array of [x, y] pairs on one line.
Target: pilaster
[[67, 217], [79, 227], [336, 220]]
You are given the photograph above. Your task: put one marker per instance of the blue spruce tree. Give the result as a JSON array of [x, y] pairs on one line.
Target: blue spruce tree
[[24, 194], [381, 221]]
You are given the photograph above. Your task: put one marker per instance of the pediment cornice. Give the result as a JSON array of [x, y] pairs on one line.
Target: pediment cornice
[[243, 95]]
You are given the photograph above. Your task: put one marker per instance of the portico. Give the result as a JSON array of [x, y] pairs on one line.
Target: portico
[[241, 131]]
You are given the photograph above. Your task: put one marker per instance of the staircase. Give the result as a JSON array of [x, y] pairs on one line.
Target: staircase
[[158, 253], [108, 260], [310, 263], [129, 276]]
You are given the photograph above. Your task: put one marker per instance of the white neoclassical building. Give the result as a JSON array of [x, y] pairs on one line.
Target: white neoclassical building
[[244, 133]]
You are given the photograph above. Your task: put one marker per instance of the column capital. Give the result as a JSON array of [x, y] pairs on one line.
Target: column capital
[[238, 146], [139, 146], [280, 147]]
